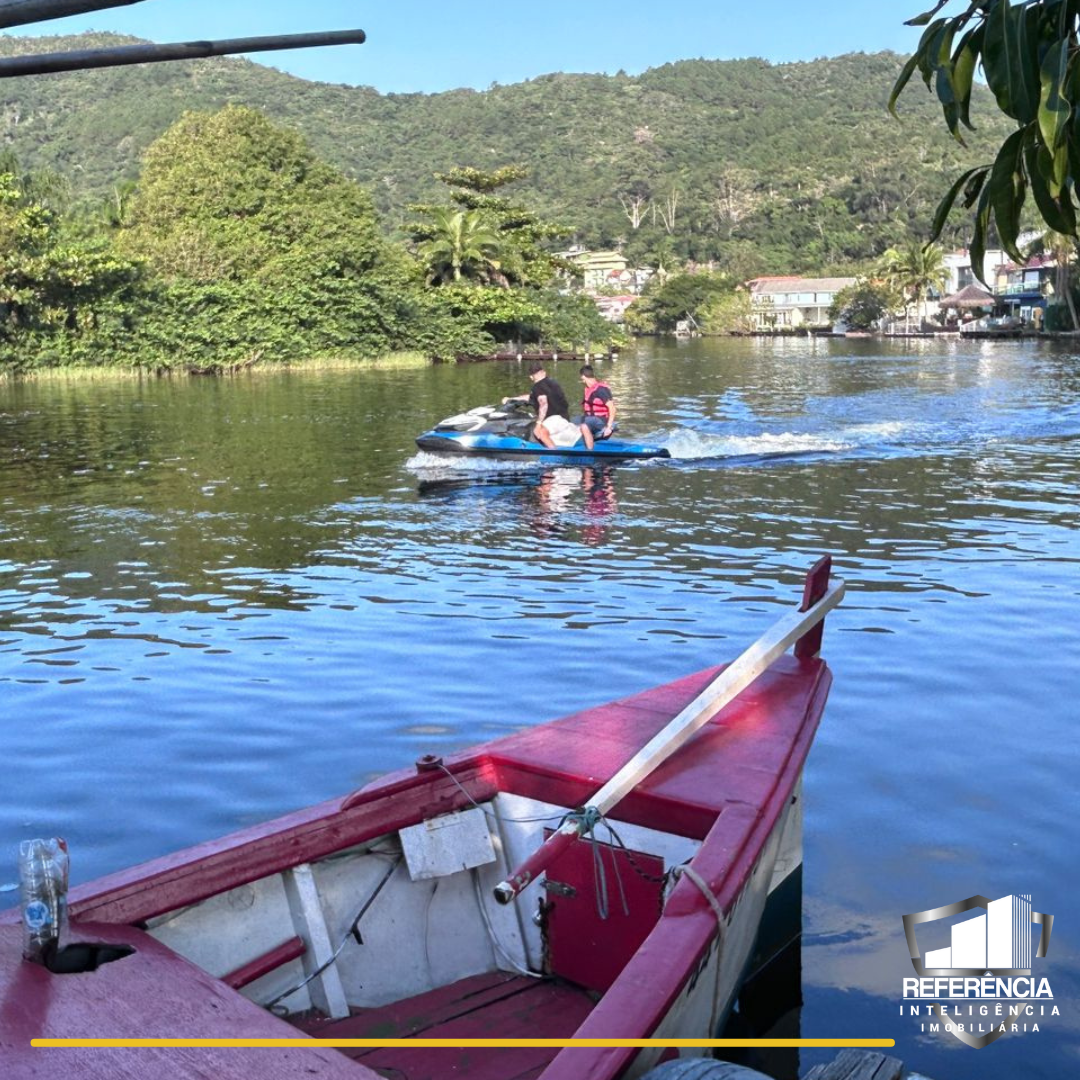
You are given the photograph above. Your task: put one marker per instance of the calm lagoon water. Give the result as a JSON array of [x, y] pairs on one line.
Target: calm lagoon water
[[221, 600]]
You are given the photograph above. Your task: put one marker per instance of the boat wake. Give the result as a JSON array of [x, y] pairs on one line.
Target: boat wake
[[689, 445], [429, 466], [686, 444]]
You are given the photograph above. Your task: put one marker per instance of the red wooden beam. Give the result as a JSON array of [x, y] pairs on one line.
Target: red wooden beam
[[815, 587], [292, 949]]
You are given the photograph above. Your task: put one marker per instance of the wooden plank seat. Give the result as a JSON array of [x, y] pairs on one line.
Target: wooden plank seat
[[494, 1005]]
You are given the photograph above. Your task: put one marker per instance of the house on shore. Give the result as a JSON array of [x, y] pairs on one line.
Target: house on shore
[[613, 308], [607, 271], [1020, 292], [791, 303]]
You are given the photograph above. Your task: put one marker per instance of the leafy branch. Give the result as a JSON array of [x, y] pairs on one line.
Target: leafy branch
[[1029, 55]]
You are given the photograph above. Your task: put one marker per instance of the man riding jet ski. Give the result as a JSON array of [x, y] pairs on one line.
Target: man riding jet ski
[[511, 431]]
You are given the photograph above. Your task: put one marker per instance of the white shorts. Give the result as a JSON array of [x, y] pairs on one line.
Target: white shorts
[[562, 432]]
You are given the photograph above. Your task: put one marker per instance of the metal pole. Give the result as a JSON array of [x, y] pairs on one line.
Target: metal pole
[[120, 55], [21, 12]]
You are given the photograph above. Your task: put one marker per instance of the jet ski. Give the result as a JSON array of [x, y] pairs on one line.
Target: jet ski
[[506, 432]]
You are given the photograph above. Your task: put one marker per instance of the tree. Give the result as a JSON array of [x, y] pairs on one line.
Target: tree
[[635, 207], [670, 300], [913, 271], [728, 313], [55, 294], [496, 277], [861, 306], [462, 244], [262, 248], [524, 237], [1028, 52]]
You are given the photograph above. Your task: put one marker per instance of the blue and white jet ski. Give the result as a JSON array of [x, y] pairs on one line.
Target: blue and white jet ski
[[506, 432]]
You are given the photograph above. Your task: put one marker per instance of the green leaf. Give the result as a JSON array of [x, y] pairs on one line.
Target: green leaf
[[1054, 108], [997, 53], [926, 16], [1056, 210], [965, 60], [901, 81], [948, 101], [977, 251], [974, 186], [946, 91], [1029, 38], [1006, 190], [1010, 60], [929, 50], [973, 178]]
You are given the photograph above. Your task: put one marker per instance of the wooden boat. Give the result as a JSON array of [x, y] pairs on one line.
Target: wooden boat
[[494, 894]]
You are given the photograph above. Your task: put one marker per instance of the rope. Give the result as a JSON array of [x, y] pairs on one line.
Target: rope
[[496, 944], [353, 932], [490, 813], [586, 819], [703, 887]]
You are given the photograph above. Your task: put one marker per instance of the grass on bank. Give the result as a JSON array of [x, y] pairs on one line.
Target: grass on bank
[[88, 373]]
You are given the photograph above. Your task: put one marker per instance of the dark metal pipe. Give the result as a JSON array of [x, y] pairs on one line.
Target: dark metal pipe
[[79, 59], [21, 12]]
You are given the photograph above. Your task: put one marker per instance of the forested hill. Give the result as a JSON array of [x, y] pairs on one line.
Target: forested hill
[[767, 168]]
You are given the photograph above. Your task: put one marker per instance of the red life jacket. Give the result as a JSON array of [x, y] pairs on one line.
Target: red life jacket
[[596, 407]]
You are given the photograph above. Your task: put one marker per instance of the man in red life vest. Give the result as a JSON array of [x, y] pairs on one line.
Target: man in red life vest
[[598, 406], [552, 408]]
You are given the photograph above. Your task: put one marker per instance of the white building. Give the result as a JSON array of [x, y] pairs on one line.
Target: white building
[[786, 303]]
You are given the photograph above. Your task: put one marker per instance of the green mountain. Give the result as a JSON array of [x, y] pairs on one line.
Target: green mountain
[[764, 168]]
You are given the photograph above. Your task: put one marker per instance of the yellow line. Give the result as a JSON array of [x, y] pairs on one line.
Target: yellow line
[[314, 1044]]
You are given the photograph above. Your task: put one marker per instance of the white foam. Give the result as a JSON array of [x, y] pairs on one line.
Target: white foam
[[686, 444], [432, 466]]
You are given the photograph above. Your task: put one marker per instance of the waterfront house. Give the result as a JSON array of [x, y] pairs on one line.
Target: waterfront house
[[613, 308], [1018, 291], [1023, 289], [600, 269], [790, 303]]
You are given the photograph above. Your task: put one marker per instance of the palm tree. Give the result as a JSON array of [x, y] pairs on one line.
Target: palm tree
[[914, 270], [462, 244]]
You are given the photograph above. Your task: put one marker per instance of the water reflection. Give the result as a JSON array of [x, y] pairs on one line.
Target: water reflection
[[568, 502], [223, 599]]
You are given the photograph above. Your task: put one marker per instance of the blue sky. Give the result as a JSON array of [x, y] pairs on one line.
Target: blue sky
[[433, 45]]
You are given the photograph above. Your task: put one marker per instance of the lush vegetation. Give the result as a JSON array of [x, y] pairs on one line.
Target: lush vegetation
[[862, 305], [319, 220], [756, 168], [708, 302], [238, 244]]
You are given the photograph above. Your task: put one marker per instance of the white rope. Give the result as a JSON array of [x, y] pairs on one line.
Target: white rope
[[496, 944], [721, 926], [703, 885]]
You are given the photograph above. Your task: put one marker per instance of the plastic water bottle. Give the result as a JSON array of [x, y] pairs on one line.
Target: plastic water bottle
[[43, 882]]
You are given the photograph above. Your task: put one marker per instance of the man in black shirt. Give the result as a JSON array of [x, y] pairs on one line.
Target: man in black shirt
[[552, 408]]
